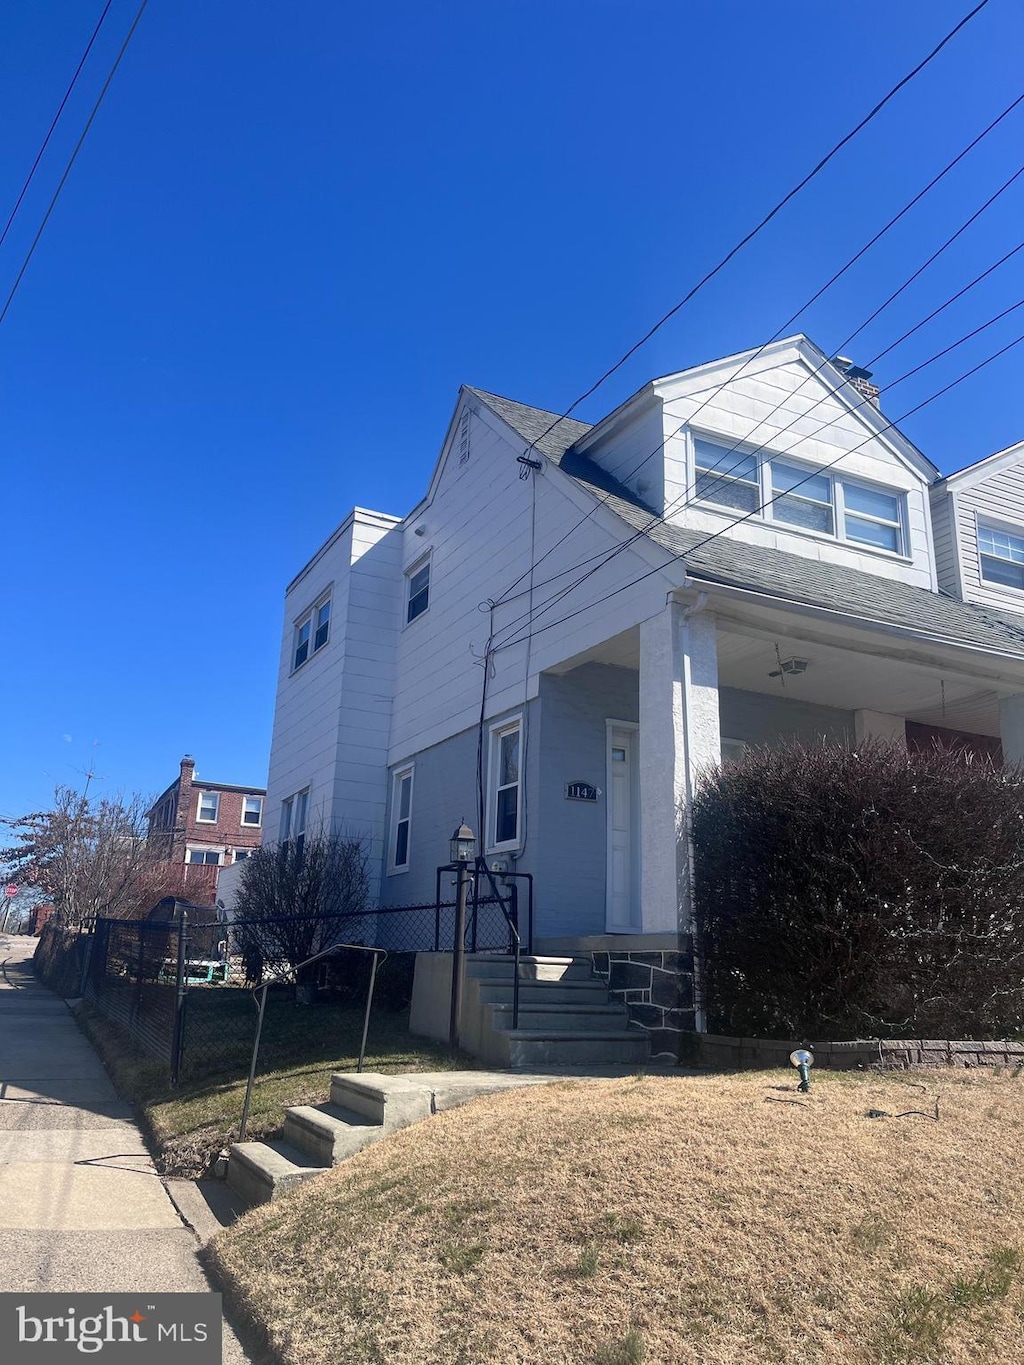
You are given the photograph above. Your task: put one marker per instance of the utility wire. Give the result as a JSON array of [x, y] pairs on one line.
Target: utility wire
[[53, 124], [762, 224], [71, 161], [572, 568], [642, 532], [660, 568], [802, 309]]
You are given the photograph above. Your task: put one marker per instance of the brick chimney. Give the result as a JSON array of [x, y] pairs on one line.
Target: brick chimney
[[859, 379]]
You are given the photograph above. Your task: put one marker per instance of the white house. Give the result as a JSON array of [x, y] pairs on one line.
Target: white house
[[745, 550]]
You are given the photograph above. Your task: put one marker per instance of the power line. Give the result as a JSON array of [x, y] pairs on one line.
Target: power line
[[803, 308], [71, 161], [763, 223], [724, 475], [641, 532], [53, 124], [737, 521]]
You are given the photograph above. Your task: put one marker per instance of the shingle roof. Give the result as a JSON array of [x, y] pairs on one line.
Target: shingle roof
[[737, 564]]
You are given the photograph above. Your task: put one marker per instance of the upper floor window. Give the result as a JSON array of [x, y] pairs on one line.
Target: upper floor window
[[252, 810], [311, 633], [1002, 556], [209, 807], [418, 591], [795, 495], [294, 810], [505, 815]]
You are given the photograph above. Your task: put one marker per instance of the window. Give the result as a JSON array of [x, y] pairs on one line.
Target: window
[[401, 816], [285, 830], [506, 787], [241, 853], [209, 807], [418, 595], [252, 810], [204, 855], [293, 818], [795, 495], [311, 633], [1002, 556]]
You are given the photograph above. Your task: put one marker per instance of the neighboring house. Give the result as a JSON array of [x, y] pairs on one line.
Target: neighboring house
[[204, 826], [585, 591]]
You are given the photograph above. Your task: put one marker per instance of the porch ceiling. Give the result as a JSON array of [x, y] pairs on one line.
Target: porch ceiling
[[840, 677]]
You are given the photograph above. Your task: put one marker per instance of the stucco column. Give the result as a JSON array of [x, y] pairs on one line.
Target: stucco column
[[1011, 729], [679, 735], [879, 725]]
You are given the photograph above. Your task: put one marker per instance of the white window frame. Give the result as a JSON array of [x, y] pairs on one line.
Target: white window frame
[[252, 824], [765, 512], [417, 567], [284, 825], [309, 621], [1005, 528], [497, 732], [202, 819], [196, 848], [408, 770]]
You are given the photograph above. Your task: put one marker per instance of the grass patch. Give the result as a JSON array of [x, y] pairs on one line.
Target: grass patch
[[300, 1048], [528, 1229]]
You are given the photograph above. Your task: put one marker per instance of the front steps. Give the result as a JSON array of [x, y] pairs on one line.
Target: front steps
[[362, 1109], [566, 1017]]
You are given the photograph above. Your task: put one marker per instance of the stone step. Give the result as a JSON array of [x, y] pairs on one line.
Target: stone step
[[562, 1018], [261, 1171], [499, 992], [327, 1133], [386, 1101], [493, 966], [546, 1047]]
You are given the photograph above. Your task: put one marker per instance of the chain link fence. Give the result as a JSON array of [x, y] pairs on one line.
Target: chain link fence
[[182, 987]]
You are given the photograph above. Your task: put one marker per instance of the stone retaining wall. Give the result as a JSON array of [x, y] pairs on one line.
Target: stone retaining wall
[[656, 986], [721, 1053]]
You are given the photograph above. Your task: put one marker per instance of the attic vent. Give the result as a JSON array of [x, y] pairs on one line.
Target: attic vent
[[464, 439]]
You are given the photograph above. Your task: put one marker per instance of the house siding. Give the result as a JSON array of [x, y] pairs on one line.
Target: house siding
[[947, 568], [1000, 497]]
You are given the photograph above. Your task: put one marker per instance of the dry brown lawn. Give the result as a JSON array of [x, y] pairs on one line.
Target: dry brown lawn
[[673, 1220]]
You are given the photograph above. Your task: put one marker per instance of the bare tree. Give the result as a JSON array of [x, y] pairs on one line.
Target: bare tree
[[298, 898], [88, 856]]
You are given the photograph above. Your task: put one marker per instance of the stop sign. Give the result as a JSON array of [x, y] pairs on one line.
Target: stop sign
[[11, 890]]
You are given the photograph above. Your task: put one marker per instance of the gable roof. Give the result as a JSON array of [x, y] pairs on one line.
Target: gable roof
[[972, 474], [730, 562]]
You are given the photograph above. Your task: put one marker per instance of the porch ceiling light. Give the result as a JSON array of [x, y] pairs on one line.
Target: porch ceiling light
[[803, 1061], [462, 845], [791, 667]]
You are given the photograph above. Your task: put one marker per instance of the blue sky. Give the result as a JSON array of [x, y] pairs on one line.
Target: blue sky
[[294, 230]]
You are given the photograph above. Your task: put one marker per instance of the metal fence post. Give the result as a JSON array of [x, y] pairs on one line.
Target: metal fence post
[[459, 955], [180, 997]]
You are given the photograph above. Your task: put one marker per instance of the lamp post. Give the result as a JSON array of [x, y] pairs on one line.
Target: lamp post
[[462, 848]]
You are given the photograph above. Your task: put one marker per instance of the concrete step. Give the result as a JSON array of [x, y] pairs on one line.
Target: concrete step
[[261, 1171], [493, 966], [389, 1102], [562, 1018], [499, 992], [327, 1133], [547, 1047]]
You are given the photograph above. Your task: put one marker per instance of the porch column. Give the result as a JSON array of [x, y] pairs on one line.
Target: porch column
[[679, 735], [1011, 728], [879, 725]]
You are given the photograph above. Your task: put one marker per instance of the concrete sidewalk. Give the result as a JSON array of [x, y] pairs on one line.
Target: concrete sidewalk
[[81, 1205]]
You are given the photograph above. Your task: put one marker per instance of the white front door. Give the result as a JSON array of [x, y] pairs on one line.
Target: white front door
[[622, 879]]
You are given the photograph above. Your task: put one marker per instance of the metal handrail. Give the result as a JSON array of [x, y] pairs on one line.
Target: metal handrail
[[517, 943], [283, 976]]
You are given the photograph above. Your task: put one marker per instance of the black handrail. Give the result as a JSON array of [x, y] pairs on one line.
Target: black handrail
[[283, 976], [481, 866]]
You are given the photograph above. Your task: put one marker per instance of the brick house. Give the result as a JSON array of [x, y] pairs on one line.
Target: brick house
[[204, 826]]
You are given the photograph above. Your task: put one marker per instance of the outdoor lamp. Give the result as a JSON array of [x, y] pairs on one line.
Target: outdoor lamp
[[463, 844], [803, 1061]]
